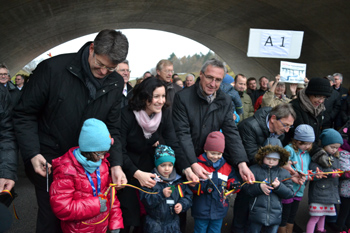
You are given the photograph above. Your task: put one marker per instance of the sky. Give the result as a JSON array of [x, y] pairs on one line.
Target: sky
[[146, 48]]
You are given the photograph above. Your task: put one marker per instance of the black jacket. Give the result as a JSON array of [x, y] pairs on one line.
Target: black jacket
[[161, 216], [256, 94], [326, 190], [343, 94], [56, 102], [267, 209], [125, 99], [254, 132], [332, 105], [172, 89], [138, 152], [194, 118], [15, 93], [345, 110], [8, 147]]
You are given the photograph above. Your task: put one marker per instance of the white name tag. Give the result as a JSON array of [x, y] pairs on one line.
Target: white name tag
[[170, 202]]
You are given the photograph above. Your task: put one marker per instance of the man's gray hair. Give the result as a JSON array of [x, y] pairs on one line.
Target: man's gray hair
[[283, 110], [112, 43], [339, 75], [191, 75], [123, 62], [213, 62], [162, 63], [2, 65]]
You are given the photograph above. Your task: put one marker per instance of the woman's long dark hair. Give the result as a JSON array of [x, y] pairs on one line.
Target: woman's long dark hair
[[143, 93]]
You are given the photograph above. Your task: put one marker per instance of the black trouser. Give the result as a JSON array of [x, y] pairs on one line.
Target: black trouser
[[289, 211], [46, 220], [240, 222], [344, 213]]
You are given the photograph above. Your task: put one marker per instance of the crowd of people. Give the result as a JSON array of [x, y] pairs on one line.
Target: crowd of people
[[104, 155]]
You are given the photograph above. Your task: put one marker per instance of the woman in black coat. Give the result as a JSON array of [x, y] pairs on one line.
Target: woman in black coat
[[309, 108], [145, 123]]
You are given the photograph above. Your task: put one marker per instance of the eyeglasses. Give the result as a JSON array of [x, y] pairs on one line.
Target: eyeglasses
[[101, 66], [211, 79], [101, 154], [3, 74], [286, 126], [168, 71], [124, 70]]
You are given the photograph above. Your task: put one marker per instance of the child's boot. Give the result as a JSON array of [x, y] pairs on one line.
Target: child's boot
[[290, 227]]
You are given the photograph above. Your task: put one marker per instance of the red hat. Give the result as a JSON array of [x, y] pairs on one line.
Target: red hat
[[215, 142]]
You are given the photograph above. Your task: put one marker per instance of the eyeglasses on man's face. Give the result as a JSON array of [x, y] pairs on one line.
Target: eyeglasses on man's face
[[3, 74], [124, 71], [211, 78], [168, 71], [286, 126], [101, 66]]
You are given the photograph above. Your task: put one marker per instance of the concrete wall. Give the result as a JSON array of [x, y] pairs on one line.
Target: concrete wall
[[31, 27]]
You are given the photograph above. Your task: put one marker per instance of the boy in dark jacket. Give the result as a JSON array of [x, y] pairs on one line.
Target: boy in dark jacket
[[209, 205], [171, 199], [265, 202]]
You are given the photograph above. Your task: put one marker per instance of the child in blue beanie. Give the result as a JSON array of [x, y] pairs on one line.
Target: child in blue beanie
[[324, 193], [171, 198], [80, 181], [299, 150]]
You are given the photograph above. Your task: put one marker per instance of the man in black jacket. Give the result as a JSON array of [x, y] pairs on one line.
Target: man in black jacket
[[5, 80], [201, 109], [8, 149], [332, 105], [343, 94], [62, 93]]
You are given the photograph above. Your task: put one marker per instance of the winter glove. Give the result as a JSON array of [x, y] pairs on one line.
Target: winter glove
[[347, 174], [103, 203], [321, 157], [115, 231]]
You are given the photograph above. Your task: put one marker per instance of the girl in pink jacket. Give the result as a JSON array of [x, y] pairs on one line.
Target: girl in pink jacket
[[80, 180]]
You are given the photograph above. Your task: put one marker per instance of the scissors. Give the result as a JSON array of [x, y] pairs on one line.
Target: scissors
[[47, 178], [214, 185]]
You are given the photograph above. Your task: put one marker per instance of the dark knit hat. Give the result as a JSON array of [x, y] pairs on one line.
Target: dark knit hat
[[330, 136], [164, 154], [215, 142], [318, 86]]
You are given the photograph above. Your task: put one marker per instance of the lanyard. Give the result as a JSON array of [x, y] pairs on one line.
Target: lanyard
[[92, 183]]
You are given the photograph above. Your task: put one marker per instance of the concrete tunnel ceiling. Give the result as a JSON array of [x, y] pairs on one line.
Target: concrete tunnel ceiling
[[31, 27]]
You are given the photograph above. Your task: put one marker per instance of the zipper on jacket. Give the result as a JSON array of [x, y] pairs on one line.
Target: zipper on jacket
[[253, 203], [268, 201]]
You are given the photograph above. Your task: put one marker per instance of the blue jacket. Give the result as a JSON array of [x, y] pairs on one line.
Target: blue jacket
[[303, 162], [210, 204], [236, 99], [267, 209], [161, 216]]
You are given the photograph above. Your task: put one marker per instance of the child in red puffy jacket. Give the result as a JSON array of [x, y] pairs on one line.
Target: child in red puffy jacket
[[80, 180]]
